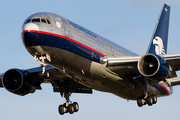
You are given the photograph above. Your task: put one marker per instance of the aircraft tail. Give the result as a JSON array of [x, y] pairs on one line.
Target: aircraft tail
[[159, 40]]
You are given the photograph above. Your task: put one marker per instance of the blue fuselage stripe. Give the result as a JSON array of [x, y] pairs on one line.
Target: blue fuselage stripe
[[161, 89], [61, 43]]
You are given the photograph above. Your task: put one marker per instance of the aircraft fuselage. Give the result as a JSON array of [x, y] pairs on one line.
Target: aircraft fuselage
[[78, 52]]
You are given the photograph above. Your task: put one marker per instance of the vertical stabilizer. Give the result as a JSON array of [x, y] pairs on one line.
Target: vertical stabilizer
[[159, 40]]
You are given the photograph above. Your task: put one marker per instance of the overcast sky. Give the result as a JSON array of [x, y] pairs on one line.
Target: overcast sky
[[129, 23]]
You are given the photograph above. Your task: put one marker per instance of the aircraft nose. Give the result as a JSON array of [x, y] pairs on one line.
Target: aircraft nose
[[32, 30], [31, 26], [30, 34]]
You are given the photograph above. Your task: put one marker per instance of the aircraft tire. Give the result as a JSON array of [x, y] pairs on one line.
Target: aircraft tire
[[149, 101], [71, 109], [61, 109], [76, 106], [154, 97], [140, 102]]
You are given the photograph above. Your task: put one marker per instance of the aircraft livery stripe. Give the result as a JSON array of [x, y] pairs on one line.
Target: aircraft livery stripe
[[164, 88], [57, 35], [161, 88]]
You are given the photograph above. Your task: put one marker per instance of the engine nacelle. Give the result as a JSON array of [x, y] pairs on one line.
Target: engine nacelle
[[17, 82], [154, 66]]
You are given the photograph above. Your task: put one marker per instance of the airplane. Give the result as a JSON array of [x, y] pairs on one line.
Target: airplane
[[74, 59]]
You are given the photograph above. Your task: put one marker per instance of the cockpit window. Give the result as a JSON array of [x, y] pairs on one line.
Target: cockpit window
[[27, 21], [43, 20], [36, 20], [49, 22]]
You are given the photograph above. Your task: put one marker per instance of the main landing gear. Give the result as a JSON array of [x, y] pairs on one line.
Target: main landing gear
[[68, 107], [150, 100]]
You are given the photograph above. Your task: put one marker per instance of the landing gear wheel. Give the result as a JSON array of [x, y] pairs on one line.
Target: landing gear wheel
[[154, 98], [149, 101], [140, 102], [70, 109], [61, 109], [76, 106]]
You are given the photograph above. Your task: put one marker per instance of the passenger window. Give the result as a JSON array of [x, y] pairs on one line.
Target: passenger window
[[27, 21], [43, 20], [49, 22], [36, 20]]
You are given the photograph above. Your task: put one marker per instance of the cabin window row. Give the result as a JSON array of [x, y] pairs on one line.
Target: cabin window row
[[97, 42]]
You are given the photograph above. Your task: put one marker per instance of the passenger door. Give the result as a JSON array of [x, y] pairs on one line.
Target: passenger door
[[66, 28]]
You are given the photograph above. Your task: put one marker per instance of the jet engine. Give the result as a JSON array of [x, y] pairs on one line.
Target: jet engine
[[154, 66], [18, 82]]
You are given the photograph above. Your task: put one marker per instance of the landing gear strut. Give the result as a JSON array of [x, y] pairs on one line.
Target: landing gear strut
[[148, 98], [67, 107], [42, 58]]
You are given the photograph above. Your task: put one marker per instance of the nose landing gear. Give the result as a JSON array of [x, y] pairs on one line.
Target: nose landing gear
[[42, 58]]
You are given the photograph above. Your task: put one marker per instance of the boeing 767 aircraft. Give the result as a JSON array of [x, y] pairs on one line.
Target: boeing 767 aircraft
[[74, 59]]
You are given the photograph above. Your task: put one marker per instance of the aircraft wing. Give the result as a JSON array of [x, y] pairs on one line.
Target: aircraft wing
[[124, 66], [173, 60], [131, 61], [56, 77], [117, 61]]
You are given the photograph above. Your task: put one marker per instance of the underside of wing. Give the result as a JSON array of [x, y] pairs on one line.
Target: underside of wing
[[173, 60], [122, 65], [22, 82]]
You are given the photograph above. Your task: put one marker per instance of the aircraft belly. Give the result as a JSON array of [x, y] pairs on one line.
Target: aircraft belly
[[82, 68]]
